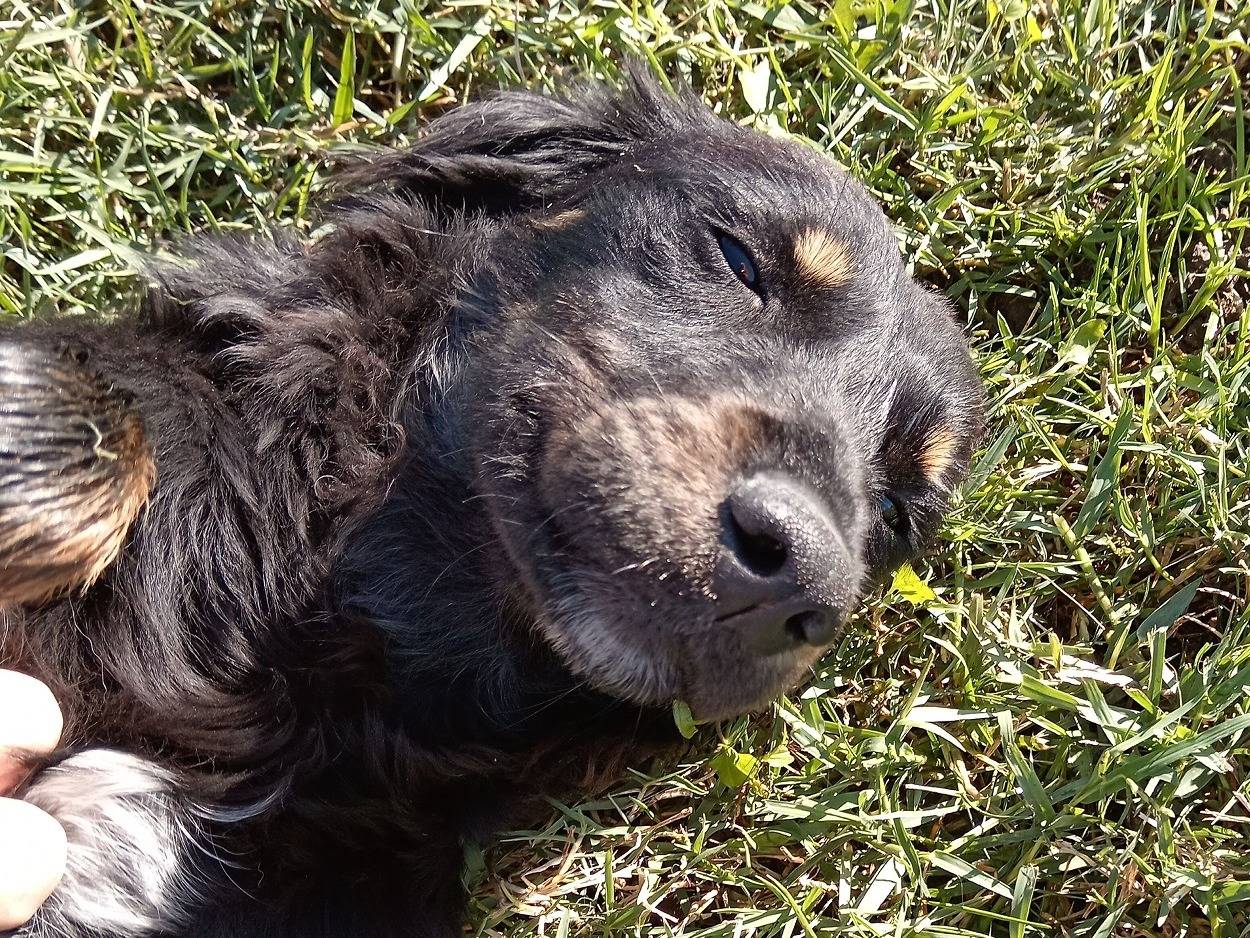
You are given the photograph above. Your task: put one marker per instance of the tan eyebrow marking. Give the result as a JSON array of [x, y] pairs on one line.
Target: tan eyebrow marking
[[822, 259], [938, 454]]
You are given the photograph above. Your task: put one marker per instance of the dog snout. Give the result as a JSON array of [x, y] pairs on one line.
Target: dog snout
[[785, 577]]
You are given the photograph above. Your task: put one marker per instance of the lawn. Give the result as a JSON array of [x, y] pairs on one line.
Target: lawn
[[1046, 731]]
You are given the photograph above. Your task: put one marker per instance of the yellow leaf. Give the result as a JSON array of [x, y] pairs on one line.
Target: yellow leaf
[[907, 583]]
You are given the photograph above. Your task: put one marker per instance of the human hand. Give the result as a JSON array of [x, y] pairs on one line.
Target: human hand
[[32, 843]]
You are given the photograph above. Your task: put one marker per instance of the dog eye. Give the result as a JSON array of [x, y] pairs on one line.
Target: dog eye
[[892, 512], [739, 261]]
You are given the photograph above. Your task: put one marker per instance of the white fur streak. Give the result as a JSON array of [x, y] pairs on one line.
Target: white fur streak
[[131, 835]]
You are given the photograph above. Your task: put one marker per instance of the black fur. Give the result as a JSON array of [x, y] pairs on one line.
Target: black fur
[[376, 486]]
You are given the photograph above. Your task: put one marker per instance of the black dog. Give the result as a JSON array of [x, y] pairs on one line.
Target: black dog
[[585, 404]]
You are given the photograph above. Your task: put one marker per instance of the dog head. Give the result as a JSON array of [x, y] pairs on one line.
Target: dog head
[[707, 405]]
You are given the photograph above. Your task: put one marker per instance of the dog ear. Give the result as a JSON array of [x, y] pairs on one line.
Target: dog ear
[[516, 150]]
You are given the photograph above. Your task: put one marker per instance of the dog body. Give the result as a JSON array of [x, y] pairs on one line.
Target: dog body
[[582, 405]]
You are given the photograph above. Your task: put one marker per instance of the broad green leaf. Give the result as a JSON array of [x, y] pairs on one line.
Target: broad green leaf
[[1031, 787], [964, 870], [306, 67], [1014, 9], [733, 768], [1230, 891], [1022, 900], [1172, 609], [781, 16], [684, 719], [1081, 345], [464, 48], [1105, 479]]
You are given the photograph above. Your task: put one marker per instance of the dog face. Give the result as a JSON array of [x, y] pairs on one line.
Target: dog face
[[707, 405]]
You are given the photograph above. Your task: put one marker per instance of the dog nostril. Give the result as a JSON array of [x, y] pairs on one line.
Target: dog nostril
[[760, 552], [796, 627], [809, 628]]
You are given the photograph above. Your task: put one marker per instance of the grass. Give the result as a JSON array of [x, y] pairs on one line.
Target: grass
[[1051, 737]]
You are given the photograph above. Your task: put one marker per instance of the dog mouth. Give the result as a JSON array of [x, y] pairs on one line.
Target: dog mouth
[[651, 654], [633, 634]]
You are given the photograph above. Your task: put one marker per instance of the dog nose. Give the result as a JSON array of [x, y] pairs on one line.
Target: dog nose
[[784, 568]]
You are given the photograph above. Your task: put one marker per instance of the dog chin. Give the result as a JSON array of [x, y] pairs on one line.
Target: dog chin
[[594, 639], [600, 638], [723, 697]]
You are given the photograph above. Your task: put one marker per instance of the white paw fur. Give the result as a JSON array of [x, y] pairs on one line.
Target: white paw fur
[[132, 837]]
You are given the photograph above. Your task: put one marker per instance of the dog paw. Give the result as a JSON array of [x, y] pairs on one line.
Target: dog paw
[[133, 840]]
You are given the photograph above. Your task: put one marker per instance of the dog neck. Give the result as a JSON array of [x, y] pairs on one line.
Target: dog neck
[[463, 660]]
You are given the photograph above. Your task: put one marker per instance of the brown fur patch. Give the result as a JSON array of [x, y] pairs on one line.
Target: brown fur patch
[[562, 220], [938, 454], [822, 259], [74, 477], [676, 460]]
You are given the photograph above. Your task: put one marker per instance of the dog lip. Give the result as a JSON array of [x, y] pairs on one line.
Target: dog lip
[[762, 635], [550, 576], [780, 605], [730, 616]]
